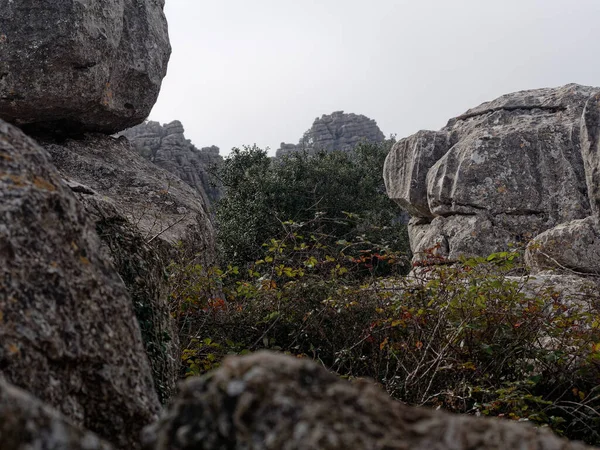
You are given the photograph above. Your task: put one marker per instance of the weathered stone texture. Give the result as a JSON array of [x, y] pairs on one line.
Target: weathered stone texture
[[28, 424], [270, 401], [336, 131], [502, 172], [158, 203], [166, 146], [74, 65], [68, 333], [571, 246]]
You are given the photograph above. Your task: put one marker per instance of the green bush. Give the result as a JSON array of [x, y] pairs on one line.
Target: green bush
[[339, 195], [466, 337]]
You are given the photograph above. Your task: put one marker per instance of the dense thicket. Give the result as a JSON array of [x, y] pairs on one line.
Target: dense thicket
[[337, 195]]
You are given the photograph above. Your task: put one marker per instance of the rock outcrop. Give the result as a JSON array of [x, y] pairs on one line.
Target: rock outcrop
[[166, 146], [158, 203], [270, 401], [336, 131], [501, 173], [68, 333], [73, 66], [141, 265], [27, 424]]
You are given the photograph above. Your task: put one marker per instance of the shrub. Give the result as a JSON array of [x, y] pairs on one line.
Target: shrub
[[336, 194], [467, 338]]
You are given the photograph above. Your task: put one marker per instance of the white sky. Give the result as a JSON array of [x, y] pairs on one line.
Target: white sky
[[260, 71]]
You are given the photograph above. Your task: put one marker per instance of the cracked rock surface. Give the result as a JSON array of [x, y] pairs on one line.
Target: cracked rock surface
[[68, 334], [501, 173], [73, 65]]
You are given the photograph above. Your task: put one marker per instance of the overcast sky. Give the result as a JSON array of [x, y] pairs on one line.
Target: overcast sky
[[260, 71]]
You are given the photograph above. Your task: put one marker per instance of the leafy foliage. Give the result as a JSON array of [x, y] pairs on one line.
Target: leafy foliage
[[467, 337], [336, 194]]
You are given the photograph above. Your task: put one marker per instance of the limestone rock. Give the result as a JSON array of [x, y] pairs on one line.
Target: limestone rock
[[336, 131], [158, 203], [26, 424], [502, 172], [166, 146], [68, 333], [75, 65], [270, 401], [141, 266], [571, 246]]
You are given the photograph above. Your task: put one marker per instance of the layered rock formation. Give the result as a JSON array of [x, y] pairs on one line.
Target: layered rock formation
[[26, 424], [336, 131], [269, 401], [158, 203], [166, 146], [501, 173], [72, 66], [68, 333]]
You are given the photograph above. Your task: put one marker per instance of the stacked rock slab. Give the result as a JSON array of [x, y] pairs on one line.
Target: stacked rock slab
[[336, 131], [166, 146], [501, 173], [68, 334], [269, 401], [26, 423], [74, 65]]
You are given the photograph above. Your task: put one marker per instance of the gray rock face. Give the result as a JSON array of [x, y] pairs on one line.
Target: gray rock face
[[166, 146], [502, 172], [158, 203], [336, 131], [68, 333], [74, 65], [141, 266], [26, 424], [270, 401], [571, 246]]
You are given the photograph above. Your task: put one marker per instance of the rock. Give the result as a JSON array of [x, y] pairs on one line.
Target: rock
[[142, 267], [502, 172], [571, 246], [270, 401], [336, 131], [68, 333], [166, 146], [158, 203], [73, 66], [590, 149], [27, 424]]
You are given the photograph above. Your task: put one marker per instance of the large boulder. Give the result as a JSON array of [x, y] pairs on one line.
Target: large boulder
[[569, 247], [159, 204], [270, 401], [501, 173], [75, 65], [27, 424], [68, 333]]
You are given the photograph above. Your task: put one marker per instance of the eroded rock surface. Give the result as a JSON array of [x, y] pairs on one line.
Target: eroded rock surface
[[270, 401], [142, 267], [158, 203], [68, 333], [166, 146], [501, 173], [27, 424], [75, 65], [336, 131]]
